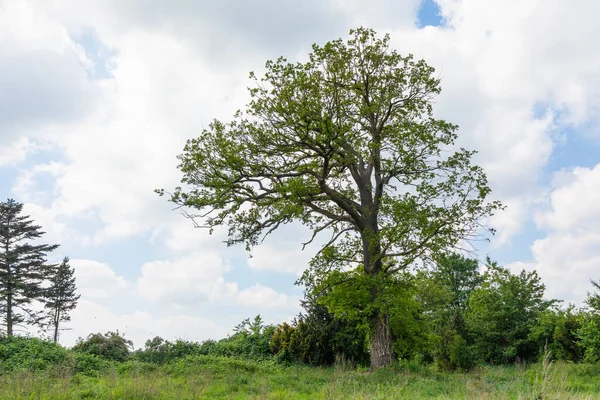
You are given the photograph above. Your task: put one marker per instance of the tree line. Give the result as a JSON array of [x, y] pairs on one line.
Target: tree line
[[456, 316], [33, 292]]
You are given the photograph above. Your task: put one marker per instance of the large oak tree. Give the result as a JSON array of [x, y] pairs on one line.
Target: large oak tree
[[345, 143]]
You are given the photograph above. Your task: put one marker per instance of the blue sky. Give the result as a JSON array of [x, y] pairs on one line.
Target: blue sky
[[428, 14], [95, 103]]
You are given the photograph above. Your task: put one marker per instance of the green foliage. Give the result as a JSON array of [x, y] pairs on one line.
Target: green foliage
[[460, 275], [161, 351], [408, 325], [557, 332], [589, 336], [25, 353], [88, 364], [135, 367], [250, 340], [449, 288], [217, 365], [317, 337], [339, 317], [593, 299], [23, 267], [589, 333], [565, 343], [426, 311], [313, 136], [110, 346], [450, 346], [504, 312], [280, 341]]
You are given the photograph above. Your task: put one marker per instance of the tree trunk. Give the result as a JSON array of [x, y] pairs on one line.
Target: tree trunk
[[56, 321], [9, 314], [382, 352], [9, 294]]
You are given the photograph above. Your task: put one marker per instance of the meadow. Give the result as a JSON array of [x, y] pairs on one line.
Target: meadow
[[213, 377]]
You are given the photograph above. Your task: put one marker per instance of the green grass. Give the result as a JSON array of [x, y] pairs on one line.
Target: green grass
[[205, 377]]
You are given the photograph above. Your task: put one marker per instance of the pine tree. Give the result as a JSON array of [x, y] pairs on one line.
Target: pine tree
[[60, 296], [23, 267]]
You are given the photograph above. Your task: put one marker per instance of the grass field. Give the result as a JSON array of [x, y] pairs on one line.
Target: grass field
[[207, 377]]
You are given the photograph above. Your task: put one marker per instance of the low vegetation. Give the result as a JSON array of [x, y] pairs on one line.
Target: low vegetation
[[62, 374], [550, 353]]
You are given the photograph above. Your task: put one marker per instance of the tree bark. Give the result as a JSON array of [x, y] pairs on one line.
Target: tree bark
[[56, 321], [9, 320], [382, 352], [9, 308]]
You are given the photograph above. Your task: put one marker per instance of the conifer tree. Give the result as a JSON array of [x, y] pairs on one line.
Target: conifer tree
[[61, 296], [23, 267]]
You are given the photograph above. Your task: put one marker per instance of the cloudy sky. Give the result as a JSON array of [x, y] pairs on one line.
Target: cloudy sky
[[98, 97]]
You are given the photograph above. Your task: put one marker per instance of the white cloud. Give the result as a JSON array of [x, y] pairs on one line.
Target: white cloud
[[181, 236], [26, 186], [14, 152], [574, 206], [261, 297], [509, 221], [138, 326], [380, 14], [282, 251], [56, 232], [42, 79], [96, 280], [187, 280], [148, 111], [101, 289], [115, 159], [272, 257], [569, 256]]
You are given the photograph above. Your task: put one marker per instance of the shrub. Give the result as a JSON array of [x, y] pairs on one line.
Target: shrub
[[161, 351], [29, 353], [557, 330], [281, 338], [250, 340], [135, 367], [110, 346], [589, 335], [89, 364]]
